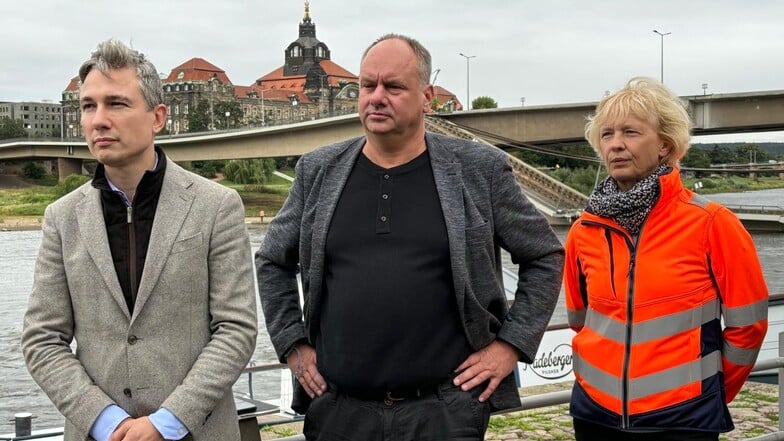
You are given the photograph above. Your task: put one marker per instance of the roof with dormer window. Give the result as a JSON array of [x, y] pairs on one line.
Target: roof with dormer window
[[197, 69]]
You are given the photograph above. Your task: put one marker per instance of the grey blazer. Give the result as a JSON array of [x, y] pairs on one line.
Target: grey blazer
[[193, 328], [484, 210]]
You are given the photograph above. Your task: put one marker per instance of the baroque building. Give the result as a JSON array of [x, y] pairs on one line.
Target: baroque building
[[307, 86], [310, 78]]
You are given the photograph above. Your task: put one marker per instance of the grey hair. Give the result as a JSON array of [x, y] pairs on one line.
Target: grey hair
[[424, 61], [114, 54]]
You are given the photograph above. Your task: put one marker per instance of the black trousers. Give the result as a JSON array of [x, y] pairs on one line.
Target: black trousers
[[446, 414], [585, 431]]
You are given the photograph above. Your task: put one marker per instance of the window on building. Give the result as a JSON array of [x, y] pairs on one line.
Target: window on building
[[185, 109], [176, 109]]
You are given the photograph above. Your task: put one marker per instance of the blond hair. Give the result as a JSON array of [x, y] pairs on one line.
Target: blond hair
[[648, 100]]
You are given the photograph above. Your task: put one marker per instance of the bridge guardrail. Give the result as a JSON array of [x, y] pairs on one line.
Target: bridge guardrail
[[563, 397], [758, 209]]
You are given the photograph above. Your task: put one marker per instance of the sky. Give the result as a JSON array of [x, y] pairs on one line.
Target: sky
[[545, 52]]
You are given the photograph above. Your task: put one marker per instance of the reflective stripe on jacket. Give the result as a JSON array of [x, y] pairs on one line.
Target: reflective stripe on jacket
[[650, 350]]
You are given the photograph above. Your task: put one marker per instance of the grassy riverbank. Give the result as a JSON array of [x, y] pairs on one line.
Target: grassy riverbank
[[24, 204]]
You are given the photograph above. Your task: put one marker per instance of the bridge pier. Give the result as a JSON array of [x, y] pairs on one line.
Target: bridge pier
[[68, 166]]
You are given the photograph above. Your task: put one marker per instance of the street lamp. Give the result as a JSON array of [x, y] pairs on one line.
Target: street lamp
[[704, 89], [294, 102], [211, 82], [228, 114], [263, 116], [662, 35], [468, 77]]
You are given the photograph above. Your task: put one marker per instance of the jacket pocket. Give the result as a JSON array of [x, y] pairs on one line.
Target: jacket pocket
[[188, 243]]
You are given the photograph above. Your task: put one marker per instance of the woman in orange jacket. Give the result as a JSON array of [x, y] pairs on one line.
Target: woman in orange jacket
[[651, 271]]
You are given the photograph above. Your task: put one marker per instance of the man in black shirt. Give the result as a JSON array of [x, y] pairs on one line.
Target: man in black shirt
[[397, 234]]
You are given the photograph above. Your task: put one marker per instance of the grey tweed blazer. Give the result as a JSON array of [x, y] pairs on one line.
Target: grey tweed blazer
[[193, 328], [484, 210]]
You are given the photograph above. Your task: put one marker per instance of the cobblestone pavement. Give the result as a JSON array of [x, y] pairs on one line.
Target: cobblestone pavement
[[755, 413]]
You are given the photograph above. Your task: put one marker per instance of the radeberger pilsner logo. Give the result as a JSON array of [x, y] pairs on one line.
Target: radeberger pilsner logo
[[553, 364]]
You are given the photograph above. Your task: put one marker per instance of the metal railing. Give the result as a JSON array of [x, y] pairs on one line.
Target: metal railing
[[758, 209], [563, 397], [527, 403]]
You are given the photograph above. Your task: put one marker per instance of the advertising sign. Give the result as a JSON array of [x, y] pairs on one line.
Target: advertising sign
[[553, 362]]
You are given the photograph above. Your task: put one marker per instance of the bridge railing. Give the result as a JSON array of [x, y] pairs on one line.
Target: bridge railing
[[527, 402], [560, 198], [563, 397], [757, 209]]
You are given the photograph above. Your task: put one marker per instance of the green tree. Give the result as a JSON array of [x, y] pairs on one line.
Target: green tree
[[223, 108], [70, 183], [434, 104], [199, 117], [581, 179], [12, 128], [751, 153], [484, 102], [720, 154], [33, 170], [696, 158], [249, 171]]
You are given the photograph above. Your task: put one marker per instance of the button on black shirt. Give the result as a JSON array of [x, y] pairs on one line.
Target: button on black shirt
[[390, 316]]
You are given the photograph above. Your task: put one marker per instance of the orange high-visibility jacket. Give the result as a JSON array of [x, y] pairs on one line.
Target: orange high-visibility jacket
[[651, 351]]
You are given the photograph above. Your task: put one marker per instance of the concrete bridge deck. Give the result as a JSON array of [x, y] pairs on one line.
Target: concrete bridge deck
[[760, 218]]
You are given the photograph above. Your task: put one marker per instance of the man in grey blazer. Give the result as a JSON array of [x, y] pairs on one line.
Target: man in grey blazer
[[147, 268], [396, 237]]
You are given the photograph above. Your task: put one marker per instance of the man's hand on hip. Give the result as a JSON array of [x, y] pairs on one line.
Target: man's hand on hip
[[302, 362], [494, 362]]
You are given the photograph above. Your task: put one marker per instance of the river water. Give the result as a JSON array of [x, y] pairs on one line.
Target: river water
[[18, 249]]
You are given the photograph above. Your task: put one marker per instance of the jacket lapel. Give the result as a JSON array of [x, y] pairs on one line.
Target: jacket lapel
[[447, 173], [330, 187], [92, 231], [174, 205]]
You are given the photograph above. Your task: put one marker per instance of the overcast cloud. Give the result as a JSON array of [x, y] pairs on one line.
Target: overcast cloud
[[550, 52]]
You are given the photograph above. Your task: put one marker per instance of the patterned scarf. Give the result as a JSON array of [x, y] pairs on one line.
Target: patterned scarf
[[628, 208]]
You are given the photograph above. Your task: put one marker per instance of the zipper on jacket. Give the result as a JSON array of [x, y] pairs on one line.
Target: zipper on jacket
[[627, 347], [625, 420], [132, 255], [628, 343]]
